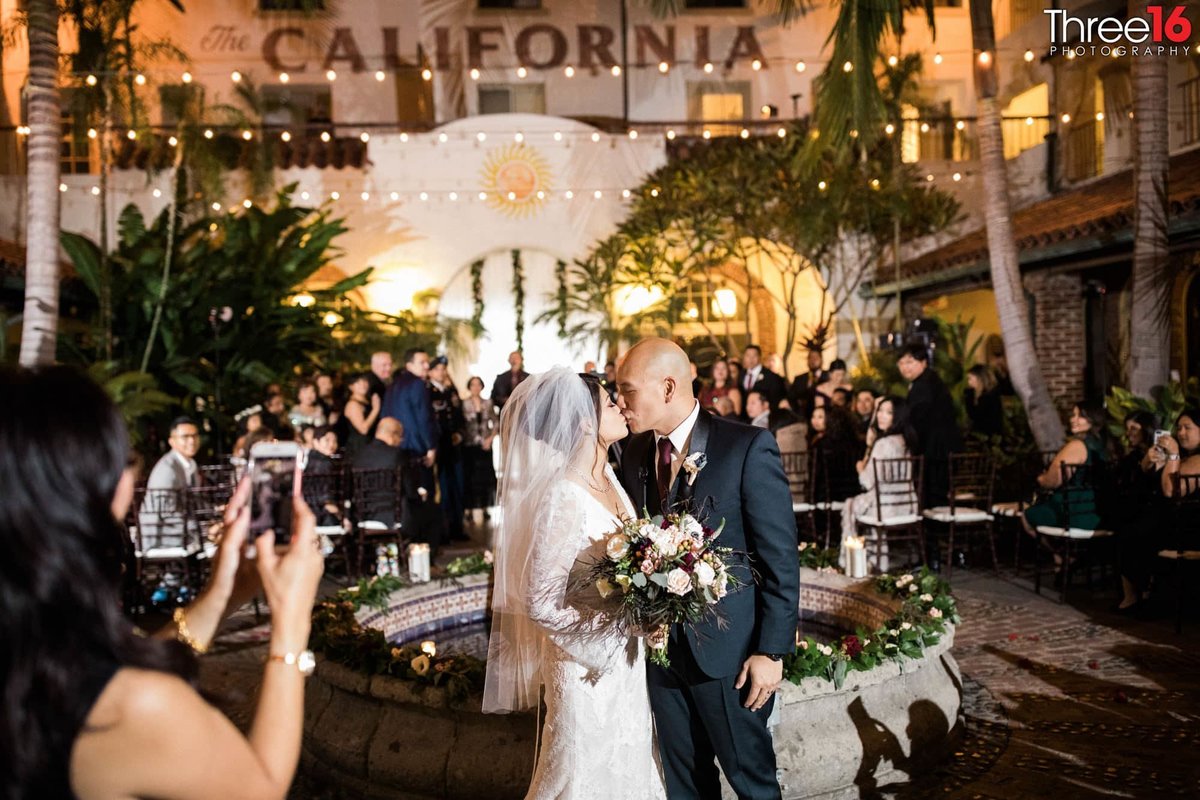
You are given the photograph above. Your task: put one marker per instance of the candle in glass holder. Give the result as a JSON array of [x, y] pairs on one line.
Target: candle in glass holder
[[429, 648], [418, 563], [856, 557]]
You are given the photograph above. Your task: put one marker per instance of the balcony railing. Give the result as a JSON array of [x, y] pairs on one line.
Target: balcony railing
[[1189, 93]]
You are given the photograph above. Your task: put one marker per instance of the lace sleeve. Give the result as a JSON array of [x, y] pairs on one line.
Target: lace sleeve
[[582, 632]]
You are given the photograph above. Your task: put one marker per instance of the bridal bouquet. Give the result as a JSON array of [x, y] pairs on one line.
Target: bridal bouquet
[[669, 570]]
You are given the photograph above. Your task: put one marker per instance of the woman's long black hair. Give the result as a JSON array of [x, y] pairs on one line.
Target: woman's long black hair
[[63, 448], [901, 424]]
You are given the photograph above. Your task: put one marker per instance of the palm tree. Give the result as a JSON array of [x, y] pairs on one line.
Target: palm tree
[[1149, 335], [849, 100], [39, 332]]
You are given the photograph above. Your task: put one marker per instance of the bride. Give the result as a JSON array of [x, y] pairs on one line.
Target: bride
[[559, 502]]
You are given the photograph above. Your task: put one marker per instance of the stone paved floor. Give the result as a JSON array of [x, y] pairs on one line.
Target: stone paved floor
[[1060, 701]]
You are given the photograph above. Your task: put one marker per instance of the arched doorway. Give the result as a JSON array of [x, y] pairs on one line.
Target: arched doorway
[[1191, 325]]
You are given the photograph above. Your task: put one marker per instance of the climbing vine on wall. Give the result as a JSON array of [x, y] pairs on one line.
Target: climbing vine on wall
[[518, 286], [560, 297], [477, 296]]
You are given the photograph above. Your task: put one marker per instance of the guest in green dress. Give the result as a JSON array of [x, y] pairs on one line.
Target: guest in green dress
[[1087, 446]]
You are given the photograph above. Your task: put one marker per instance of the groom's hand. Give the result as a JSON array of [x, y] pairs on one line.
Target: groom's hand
[[765, 674]]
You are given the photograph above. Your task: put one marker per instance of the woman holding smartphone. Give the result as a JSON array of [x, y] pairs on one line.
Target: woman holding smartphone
[[95, 708]]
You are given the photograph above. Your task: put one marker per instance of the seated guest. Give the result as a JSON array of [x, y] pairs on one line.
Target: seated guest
[[835, 378], [720, 386], [843, 397], [359, 415], [161, 517], [864, 410], [835, 448], [321, 463], [275, 418], [95, 708], [1087, 447], [248, 421], [1138, 519], [723, 407], [890, 436], [762, 415], [306, 436], [381, 453], [982, 400], [1179, 454], [308, 409]]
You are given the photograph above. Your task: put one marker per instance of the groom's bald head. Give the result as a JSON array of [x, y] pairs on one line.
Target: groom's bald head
[[654, 381]]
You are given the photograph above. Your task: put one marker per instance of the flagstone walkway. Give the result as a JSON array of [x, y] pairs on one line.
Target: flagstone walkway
[[1060, 701]]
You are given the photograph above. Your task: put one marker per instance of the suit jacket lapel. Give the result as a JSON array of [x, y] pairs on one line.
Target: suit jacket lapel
[[681, 490]]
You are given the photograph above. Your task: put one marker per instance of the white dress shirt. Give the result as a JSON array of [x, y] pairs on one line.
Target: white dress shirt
[[679, 440], [751, 378]]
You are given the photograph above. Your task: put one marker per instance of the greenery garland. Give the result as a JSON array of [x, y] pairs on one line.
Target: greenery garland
[[518, 287], [477, 296], [561, 296], [927, 607], [921, 621]]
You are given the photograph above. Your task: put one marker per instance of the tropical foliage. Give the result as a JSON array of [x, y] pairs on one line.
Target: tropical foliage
[[1166, 403]]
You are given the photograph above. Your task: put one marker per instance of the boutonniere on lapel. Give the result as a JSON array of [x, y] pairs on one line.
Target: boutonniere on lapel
[[693, 464]]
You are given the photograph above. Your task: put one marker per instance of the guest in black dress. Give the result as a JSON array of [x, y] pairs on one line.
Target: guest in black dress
[[94, 707], [479, 433], [356, 427], [982, 399], [448, 412]]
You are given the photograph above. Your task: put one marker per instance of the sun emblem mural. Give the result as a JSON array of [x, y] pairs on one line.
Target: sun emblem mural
[[517, 180]]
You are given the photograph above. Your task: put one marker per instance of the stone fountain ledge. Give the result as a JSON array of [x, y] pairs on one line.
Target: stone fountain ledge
[[385, 737]]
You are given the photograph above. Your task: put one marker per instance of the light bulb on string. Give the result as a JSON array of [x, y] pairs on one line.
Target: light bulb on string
[[626, 193], [670, 133], [247, 135], [394, 196], [453, 196], [1066, 118], [801, 66], [781, 133], [131, 134], [745, 134], [140, 79], [380, 75], [92, 133], [474, 74], [569, 194], [541, 194], [893, 61], [1029, 120], [558, 136], [1099, 116], [481, 136], [756, 65], [186, 77], [822, 185], [91, 80], [708, 67], [331, 75], [616, 70], [595, 137], [663, 67], [284, 77], [569, 71], [365, 196], [157, 193], [1071, 54], [937, 58], [286, 136], [304, 195], [597, 194], [924, 127], [707, 134], [208, 133], [511, 196], [247, 203], [95, 191], [929, 177], [960, 125], [956, 177], [216, 206], [889, 129], [427, 74], [654, 192], [522, 72], [875, 183], [62, 187], [1028, 56], [325, 137], [235, 76], [633, 134], [848, 67], [335, 195], [364, 137], [483, 195], [518, 137], [984, 58], [443, 138], [403, 137], [424, 196]]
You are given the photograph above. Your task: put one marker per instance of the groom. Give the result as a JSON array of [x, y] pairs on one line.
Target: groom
[[714, 700]]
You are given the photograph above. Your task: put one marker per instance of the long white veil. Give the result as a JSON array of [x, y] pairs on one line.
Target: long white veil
[[548, 420]]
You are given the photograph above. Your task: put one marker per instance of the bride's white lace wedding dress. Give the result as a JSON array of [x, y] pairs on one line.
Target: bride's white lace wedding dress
[[598, 739]]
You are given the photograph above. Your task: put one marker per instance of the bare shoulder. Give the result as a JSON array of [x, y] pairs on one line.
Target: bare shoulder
[[138, 697], [1074, 452]]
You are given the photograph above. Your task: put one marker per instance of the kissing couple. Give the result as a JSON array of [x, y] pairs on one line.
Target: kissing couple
[[617, 726]]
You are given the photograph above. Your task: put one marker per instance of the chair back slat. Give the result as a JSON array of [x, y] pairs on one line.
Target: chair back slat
[[162, 519], [1185, 512], [1080, 489], [796, 468], [898, 485], [376, 495], [972, 481]]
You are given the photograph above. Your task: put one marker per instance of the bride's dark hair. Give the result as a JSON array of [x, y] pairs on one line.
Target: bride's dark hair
[[596, 391], [63, 447]]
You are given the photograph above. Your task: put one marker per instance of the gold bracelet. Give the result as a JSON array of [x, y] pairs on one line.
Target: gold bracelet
[[184, 635]]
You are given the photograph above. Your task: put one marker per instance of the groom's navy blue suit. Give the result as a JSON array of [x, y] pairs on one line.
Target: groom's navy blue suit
[[698, 712]]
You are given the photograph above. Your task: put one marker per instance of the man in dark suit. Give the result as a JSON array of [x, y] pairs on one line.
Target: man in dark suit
[[933, 418], [800, 393], [381, 453], [712, 704], [380, 376], [408, 400], [762, 415], [502, 389], [756, 377]]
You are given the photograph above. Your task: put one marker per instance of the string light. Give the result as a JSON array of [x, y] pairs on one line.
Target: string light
[[304, 195], [483, 195], [1028, 56], [424, 196], [854, 134], [454, 196], [518, 137], [756, 65], [235, 76], [95, 191], [91, 80], [924, 127], [1099, 116], [671, 133], [874, 183], [395, 196], [848, 67], [522, 72], [335, 195], [404, 137], [960, 125], [654, 192], [443, 138], [595, 137], [331, 75], [140, 79], [1066, 118], [23, 130], [569, 194], [633, 134], [956, 177], [801, 66], [186, 77], [427, 74], [62, 187], [247, 203], [364, 137], [1071, 54], [745, 134], [511, 195], [325, 137], [474, 74], [781, 133], [247, 135], [1029, 120], [157, 193], [569, 71], [481, 136], [365, 196], [707, 134], [286, 136], [889, 129], [625, 193], [929, 177], [558, 136], [216, 206], [92, 134], [937, 58], [708, 68], [598, 194], [822, 185], [663, 67], [893, 61], [284, 77], [616, 70], [131, 134], [541, 195], [380, 75]]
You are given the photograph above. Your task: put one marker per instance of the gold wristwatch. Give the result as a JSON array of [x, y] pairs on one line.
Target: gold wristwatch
[[304, 661]]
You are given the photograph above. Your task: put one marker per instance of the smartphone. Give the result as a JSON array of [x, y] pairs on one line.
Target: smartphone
[[1160, 434], [275, 469]]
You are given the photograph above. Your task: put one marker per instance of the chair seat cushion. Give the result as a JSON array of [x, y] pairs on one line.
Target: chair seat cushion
[[1180, 555], [1073, 533], [800, 508], [376, 525], [945, 514], [889, 522], [336, 530], [171, 553], [836, 505], [1007, 509]]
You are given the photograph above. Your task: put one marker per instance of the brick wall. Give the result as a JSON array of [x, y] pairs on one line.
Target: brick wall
[[1059, 333]]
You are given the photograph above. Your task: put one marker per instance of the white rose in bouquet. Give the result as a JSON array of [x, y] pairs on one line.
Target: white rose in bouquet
[[617, 546], [665, 541], [692, 526], [705, 574], [679, 582], [721, 586]]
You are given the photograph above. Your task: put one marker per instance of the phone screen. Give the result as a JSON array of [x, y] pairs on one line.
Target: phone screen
[[272, 482]]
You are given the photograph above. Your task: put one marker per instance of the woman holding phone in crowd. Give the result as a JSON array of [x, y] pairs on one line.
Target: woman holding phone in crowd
[[95, 708]]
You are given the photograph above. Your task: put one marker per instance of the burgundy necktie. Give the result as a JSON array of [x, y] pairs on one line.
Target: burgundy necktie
[[664, 470]]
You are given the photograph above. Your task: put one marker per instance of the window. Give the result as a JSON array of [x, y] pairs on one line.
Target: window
[[510, 4], [1026, 122], [299, 106], [709, 303], [75, 149], [714, 101], [512, 98]]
